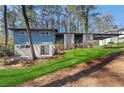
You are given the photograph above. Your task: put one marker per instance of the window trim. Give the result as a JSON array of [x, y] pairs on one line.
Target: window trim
[[44, 33], [25, 33], [24, 46], [48, 46]]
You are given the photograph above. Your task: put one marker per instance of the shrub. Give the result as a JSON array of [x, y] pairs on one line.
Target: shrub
[[11, 44], [5, 61], [5, 52], [27, 62], [110, 43]]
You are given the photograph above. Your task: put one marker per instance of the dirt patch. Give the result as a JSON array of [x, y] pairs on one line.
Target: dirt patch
[[111, 75], [23, 65], [106, 71], [29, 63]]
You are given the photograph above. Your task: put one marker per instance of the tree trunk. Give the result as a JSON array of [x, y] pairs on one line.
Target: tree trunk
[[14, 19], [70, 24], [29, 32], [86, 37], [5, 25], [86, 23], [65, 27], [78, 25], [58, 22], [47, 24]]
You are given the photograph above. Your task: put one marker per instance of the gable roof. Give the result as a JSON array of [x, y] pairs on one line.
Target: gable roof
[[24, 29]]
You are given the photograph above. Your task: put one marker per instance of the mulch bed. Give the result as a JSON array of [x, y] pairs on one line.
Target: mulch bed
[[29, 63]]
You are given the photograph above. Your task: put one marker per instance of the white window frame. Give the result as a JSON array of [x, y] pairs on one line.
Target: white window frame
[[25, 33], [44, 50], [24, 46], [44, 33]]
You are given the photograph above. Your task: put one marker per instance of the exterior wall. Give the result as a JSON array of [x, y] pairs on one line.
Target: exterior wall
[[26, 52], [38, 40], [87, 38], [68, 41], [37, 48], [121, 37], [104, 41], [113, 39], [107, 40], [100, 42], [36, 37], [23, 52]]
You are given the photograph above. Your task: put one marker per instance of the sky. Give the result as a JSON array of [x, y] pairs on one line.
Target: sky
[[116, 10]]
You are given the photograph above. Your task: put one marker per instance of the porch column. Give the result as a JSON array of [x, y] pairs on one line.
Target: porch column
[[87, 40], [68, 41]]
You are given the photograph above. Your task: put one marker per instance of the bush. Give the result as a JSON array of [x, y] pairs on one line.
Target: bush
[[27, 62], [10, 43], [5, 52], [5, 61], [110, 43]]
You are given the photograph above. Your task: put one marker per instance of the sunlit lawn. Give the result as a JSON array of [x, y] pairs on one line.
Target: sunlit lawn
[[14, 77]]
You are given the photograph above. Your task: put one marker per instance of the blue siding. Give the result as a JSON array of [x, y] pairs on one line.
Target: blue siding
[[36, 37]]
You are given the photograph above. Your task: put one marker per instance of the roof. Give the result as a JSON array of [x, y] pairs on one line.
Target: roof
[[59, 33], [96, 36], [24, 29], [104, 36], [121, 29], [114, 31], [111, 31]]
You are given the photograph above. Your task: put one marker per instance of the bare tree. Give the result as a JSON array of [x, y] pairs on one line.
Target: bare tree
[[104, 22], [5, 25], [29, 32], [86, 13]]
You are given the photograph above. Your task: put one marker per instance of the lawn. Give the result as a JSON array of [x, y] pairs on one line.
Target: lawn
[[118, 45], [13, 77]]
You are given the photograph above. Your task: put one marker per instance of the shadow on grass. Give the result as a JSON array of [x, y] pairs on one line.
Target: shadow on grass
[[83, 73]]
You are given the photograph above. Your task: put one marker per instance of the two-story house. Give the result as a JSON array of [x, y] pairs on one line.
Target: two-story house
[[43, 42]]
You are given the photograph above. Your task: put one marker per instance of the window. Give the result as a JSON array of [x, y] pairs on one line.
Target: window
[[44, 33], [47, 33], [17, 46], [44, 49], [24, 46], [23, 33]]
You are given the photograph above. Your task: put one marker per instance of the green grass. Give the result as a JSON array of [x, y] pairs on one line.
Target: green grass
[[13, 77], [118, 45]]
